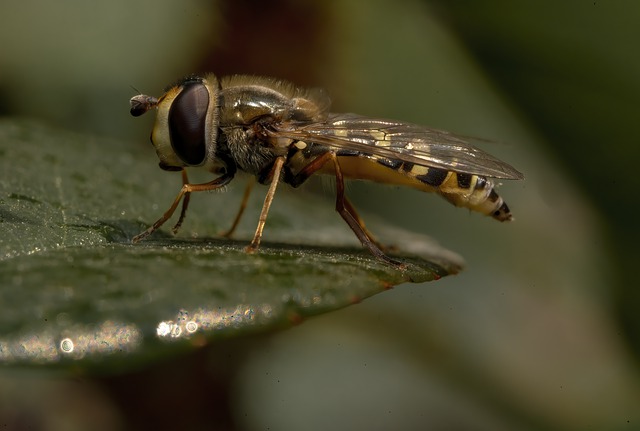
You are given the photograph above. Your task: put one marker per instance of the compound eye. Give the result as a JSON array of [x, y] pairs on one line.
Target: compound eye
[[187, 120]]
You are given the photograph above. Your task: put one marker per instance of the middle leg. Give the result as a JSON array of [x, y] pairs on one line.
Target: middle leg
[[274, 175]]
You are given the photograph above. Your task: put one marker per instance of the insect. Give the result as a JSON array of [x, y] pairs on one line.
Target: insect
[[278, 132]]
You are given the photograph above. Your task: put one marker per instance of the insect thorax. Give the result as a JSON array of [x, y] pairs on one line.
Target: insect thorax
[[250, 153], [251, 106]]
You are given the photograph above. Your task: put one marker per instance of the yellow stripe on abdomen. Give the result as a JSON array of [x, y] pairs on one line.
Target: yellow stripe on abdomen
[[463, 190], [476, 193]]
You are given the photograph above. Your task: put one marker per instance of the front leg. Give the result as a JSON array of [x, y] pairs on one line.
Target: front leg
[[185, 191], [185, 203]]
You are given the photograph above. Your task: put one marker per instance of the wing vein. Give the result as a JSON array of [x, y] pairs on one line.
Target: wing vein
[[401, 141]]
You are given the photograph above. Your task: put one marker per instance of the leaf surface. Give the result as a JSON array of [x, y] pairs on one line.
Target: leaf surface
[[74, 289]]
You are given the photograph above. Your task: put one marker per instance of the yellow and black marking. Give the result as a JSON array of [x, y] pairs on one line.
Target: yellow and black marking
[[275, 131], [470, 191]]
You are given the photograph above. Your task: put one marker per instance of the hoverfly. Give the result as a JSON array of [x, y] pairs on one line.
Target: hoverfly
[[278, 132]]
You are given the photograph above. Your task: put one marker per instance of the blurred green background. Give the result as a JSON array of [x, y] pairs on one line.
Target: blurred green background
[[542, 329]]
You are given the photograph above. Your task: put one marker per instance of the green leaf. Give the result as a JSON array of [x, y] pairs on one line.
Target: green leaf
[[74, 288]]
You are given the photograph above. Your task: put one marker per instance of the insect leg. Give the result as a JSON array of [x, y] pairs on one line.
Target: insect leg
[[184, 191], [243, 206], [352, 210], [185, 203], [274, 174], [343, 206], [347, 212]]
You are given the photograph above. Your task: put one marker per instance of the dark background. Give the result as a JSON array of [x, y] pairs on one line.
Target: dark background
[[540, 332]]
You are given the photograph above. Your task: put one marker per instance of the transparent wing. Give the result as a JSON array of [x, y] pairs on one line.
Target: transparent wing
[[402, 141]]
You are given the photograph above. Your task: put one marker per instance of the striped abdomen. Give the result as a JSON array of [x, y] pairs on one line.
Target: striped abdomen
[[463, 190]]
